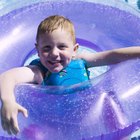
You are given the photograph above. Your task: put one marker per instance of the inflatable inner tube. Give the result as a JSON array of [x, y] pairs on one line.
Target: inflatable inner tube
[[102, 108]]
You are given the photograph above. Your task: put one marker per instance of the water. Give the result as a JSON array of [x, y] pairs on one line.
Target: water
[[133, 3], [9, 5]]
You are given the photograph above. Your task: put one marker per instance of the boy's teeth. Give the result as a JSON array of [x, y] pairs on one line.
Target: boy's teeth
[[53, 62]]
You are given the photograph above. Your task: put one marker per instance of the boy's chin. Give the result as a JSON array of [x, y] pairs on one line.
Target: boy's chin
[[55, 70]]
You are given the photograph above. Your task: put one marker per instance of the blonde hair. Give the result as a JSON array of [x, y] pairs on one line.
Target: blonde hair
[[52, 23]]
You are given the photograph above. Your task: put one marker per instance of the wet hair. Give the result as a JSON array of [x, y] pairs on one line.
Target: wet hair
[[52, 23]]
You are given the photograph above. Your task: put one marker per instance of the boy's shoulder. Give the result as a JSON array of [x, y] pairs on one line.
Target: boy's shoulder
[[77, 63], [38, 63], [35, 62]]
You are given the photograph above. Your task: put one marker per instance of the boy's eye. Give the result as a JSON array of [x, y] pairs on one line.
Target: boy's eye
[[62, 47], [46, 48]]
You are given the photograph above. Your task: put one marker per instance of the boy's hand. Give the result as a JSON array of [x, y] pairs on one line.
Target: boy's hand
[[9, 112]]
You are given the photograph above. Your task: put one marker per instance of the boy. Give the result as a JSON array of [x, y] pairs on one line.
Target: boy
[[56, 47]]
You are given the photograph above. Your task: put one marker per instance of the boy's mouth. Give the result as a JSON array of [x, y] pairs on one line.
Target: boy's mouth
[[56, 62]]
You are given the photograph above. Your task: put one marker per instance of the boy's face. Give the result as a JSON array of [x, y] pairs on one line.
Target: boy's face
[[56, 49]]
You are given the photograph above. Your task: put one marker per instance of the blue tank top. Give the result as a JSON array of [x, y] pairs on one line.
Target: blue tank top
[[74, 73]]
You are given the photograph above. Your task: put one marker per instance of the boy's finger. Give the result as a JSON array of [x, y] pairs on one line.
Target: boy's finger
[[13, 131], [24, 111], [14, 125], [7, 128], [9, 131], [3, 125]]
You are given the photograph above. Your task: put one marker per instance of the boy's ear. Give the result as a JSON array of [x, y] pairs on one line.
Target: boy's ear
[[36, 46], [76, 46]]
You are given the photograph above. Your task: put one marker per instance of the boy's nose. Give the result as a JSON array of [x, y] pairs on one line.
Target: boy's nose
[[55, 52]]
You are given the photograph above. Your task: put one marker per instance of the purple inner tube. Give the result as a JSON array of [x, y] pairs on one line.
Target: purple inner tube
[[104, 108]]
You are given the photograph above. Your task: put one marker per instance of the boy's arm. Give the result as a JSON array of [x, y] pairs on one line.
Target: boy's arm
[[111, 56], [10, 108]]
